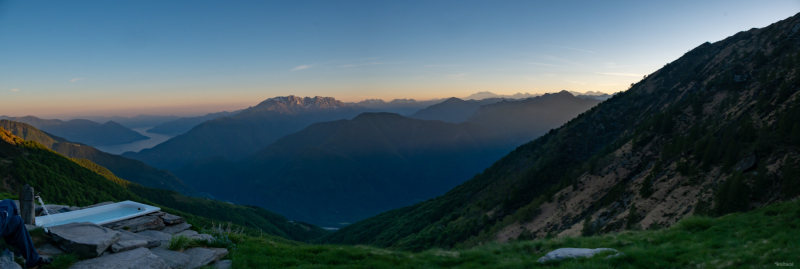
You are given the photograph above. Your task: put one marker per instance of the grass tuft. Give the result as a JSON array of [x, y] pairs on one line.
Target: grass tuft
[[695, 224], [179, 243], [62, 261]]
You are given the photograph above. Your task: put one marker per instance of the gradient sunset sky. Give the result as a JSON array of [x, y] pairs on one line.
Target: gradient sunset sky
[[70, 58]]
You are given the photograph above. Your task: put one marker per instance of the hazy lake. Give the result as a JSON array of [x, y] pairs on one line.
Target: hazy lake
[[154, 140]]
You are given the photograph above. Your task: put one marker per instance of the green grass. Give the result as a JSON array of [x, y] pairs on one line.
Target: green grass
[[179, 243], [759, 238], [63, 261]]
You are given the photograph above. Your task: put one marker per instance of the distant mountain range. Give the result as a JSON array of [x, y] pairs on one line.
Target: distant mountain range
[[133, 122], [453, 110], [399, 106], [343, 171], [487, 95], [83, 131], [183, 125], [131, 170], [243, 134]]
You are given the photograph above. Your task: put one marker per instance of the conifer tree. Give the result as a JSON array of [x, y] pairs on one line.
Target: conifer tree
[[633, 217]]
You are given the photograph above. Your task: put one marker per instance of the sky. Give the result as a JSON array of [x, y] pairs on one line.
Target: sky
[[72, 58]]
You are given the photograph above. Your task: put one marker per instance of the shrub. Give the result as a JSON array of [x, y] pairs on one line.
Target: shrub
[[695, 224]]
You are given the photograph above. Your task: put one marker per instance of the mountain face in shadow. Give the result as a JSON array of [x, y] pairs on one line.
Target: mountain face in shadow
[[517, 122], [133, 122], [452, 110], [399, 106], [131, 170], [84, 131], [714, 132], [183, 125], [343, 171], [240, 135]]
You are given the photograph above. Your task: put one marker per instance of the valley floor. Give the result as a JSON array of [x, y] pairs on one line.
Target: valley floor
[[765, 237]]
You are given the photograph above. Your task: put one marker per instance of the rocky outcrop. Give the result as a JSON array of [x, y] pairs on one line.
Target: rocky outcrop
[[138, 224], [87, 240], [195, 235], [571, 253], [140, 258]]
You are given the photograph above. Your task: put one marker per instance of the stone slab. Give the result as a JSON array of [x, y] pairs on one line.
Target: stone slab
[[173, 229], [151, 242], [137, 224], [155, 234], [174, 259], [199, 257], [140, 258], [170, 219], [87, 240], [226, 264], [7, 260], [128, 245]]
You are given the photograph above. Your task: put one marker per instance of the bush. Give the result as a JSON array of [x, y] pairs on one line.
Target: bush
[[695, 224]]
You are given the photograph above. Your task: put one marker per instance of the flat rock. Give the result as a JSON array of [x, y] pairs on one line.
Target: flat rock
[[96, 205], [48, 250], [172, 219], [140, 258], [569, 253], [151, 241], [155, 234], [84, 239], [226, 264], [199, 257], [137, 224], [195, 235], [158, 214], [174, 259], [126, 245], [177, 228], [7, 260]]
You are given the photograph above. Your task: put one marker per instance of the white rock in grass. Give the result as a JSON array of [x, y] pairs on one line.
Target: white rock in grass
[[569, 253]]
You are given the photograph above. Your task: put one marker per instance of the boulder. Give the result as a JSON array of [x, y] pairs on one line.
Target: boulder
[[173, 229], [137, 224], [140, 258], [226, 264], [87, 240], [174, 259], [126, 245], [7, 260], [96, 205], [199, 257], [569, 253], [747, 164], [151, 241], [156, 235], [170, 219]]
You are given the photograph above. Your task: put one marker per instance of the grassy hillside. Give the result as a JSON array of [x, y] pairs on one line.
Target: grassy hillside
[[84, 131], [131, 170], [81, 182], [754, 239], [710, 133]]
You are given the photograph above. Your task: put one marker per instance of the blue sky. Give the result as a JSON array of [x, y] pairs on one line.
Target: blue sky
[[67, 58]]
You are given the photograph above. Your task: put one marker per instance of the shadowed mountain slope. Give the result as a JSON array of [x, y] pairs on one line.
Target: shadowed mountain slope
[[240, 135], [342, 171], [131, 170], [713, 132], [185, 124], [84, 131], [452, 110]]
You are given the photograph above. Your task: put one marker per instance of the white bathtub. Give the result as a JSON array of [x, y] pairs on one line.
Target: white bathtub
[[98, 215]]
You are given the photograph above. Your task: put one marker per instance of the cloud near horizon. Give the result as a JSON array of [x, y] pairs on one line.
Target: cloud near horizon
[[301, 67], [75, 79], [13, 90]]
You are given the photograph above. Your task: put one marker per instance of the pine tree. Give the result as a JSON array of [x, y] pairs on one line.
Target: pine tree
[[588, 228], [633, 218]]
